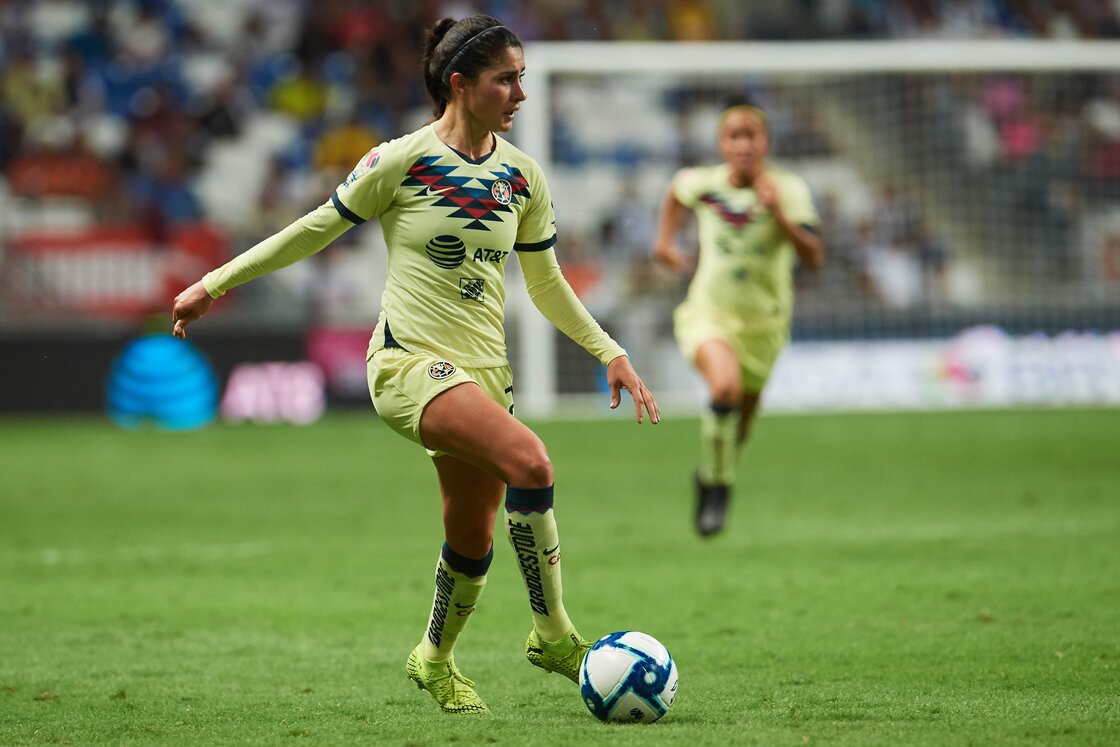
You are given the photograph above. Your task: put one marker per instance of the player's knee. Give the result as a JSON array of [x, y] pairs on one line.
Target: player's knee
[[533, 468], [474, 542], [727, 394], [539, 472]]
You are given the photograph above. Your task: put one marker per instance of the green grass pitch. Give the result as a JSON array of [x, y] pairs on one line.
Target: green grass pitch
[[903, 579]]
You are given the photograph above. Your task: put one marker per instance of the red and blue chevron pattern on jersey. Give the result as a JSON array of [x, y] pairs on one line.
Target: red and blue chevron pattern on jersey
[[476, 204], [733, 217]]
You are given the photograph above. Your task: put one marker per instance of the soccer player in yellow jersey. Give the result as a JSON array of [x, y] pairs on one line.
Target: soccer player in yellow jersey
[[754, 221], [456, 202]]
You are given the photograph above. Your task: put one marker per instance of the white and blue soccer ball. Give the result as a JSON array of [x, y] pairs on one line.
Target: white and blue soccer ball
[[628, 676]]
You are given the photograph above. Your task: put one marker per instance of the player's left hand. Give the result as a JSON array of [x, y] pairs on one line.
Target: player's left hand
[[621, 375]]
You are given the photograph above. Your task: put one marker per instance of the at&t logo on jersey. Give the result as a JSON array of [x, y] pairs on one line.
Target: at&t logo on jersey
[[441, 369], [447, 252]]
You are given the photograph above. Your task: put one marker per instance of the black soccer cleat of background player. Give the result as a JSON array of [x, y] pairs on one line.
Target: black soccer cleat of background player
[[711, 507]]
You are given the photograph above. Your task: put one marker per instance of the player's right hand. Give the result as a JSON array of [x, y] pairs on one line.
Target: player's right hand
[[766, 190], [189, 305], [672, 257]]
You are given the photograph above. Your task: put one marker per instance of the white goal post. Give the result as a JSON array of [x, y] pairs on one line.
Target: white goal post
[[538, 393]]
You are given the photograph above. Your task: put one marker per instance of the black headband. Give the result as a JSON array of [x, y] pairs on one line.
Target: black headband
[[446, 71]]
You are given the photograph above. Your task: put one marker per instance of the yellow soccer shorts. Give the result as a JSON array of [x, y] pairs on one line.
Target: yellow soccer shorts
[[756, 349], [403, 383]]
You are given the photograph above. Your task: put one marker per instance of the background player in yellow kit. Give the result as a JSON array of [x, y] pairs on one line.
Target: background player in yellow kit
[[754, 220], [455, 201]]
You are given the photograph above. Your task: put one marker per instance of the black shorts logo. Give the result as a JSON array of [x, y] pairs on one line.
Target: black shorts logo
[[472, 289], [441, 370]]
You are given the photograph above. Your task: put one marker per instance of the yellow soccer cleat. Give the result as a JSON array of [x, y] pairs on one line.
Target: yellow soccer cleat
[[563, 656], [454, 692]]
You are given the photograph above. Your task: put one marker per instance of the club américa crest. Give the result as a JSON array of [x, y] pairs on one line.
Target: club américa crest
[[441, 369], [501, 191]]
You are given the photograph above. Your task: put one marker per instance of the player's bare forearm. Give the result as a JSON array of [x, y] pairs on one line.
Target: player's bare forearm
[[806, 242], [812, 255], [669, 221], [809, 247]]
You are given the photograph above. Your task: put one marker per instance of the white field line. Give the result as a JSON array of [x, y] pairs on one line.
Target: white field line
[[214, 553], [850, 534]]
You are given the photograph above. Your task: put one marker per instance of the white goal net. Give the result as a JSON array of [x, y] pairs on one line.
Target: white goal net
[[960, 184]]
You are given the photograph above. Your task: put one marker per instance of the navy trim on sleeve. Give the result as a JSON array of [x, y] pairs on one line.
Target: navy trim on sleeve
[[346, 212], [815, 230], [539, 246]]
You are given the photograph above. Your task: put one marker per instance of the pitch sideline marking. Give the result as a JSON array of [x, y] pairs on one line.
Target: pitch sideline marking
[[52, 556]]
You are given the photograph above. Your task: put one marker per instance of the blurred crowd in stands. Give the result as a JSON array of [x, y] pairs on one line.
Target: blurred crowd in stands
[[122, 104]]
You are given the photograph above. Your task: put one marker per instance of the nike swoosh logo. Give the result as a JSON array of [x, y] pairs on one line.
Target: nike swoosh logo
[[433, 192], [463, 606], [549, 552]]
